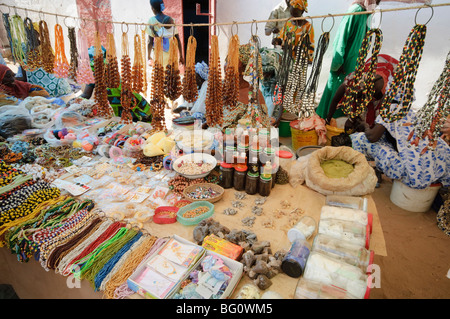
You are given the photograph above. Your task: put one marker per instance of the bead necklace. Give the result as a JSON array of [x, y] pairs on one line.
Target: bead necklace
[[84, 71], [431, 117], [144, 60], [231, 81], [47, 56], [18, 33], [308, 105], [401, 91], [157, 102], [190, 90], [296, 81], [360, 90], [172, 79], [213, 102], [101, 95], [33, 52], [61, 65], [112, 66], [73, 53], [138, 69]]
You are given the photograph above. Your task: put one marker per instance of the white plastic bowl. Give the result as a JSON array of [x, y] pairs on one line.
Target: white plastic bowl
[[206, 158]]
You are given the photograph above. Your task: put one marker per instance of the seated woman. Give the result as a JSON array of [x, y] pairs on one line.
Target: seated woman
[[21, 90], [388, 145], [384, 75]]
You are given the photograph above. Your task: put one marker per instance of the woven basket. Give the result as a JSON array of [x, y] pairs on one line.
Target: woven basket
[[215, 187]]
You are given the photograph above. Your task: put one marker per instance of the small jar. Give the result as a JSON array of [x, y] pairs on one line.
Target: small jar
[[294, 262], [265, 185], [226, 175], [240, 173], [303, 229], [253, 165], [251, 183]]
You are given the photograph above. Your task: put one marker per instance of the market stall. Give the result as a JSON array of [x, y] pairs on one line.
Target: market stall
[[126, 202]]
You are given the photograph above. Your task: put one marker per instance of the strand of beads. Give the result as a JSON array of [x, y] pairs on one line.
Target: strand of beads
[[73, 53], [112, 65], [172, 79], [401, 91], [61, 65], [190, 90], [33, 52], [431, 117], [296, 81], [138, 70], [47, 56], [231, 80], [309, 95], [360, 91], [144, 60], [100, 93], [18, 37], [157, 102], [84, 71], [213, 102], [126, 97]]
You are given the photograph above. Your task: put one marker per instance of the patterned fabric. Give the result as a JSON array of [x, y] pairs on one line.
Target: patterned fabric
[[281, 11], [56, 87], [298, 32], [300, 4], [408, 166], [141, 111]]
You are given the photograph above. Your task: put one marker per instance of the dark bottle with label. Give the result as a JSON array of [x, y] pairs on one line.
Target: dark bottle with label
[[240, 173], [226, 175]]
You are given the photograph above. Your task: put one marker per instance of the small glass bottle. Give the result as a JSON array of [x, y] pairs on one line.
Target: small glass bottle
[[265, 185], [240, 173], [226, 175], [251, 183]]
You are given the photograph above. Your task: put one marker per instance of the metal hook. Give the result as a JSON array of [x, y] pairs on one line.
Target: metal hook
[[41, 15], [256, 29], [56, 19], [237, 28], [192, 30], [432, 14], [381, 19], [121, 27], [332, 26]]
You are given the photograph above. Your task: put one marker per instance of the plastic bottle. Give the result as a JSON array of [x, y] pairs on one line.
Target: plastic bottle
[[303, 229], [309, 289], [333, 272], [294, 262], [354, 255], [347, 214], [345, 230]]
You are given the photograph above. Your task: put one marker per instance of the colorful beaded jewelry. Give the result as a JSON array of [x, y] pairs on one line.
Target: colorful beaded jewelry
[[397, 100], [61, 65]]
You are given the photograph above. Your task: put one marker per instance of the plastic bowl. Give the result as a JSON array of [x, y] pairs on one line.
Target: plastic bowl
[[205, 158], [159, 218], [194, 220]]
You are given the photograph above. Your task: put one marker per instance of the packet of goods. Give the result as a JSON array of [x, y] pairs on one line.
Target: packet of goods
[[222, 247]]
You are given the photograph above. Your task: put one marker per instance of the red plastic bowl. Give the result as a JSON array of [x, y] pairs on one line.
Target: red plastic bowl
[[160, 218]]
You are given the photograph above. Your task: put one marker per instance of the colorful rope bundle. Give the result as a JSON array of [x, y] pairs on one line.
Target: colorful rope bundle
[[398, 99], [361, 89]]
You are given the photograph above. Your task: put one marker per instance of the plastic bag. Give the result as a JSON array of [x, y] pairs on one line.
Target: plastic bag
[[14, 119]]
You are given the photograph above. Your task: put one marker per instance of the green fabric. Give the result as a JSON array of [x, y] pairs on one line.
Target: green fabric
[[141, 111], [346, 46]]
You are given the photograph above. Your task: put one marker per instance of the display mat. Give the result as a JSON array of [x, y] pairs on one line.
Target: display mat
[[30, 280]]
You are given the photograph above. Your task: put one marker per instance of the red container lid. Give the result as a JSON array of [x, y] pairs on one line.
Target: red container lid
[[241, 167], [370, 221], [160, 218], [226, 165], [284, 154]]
